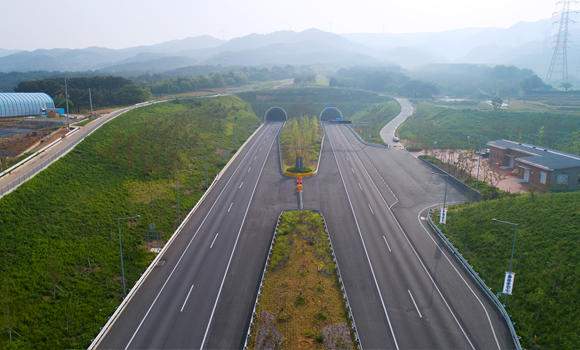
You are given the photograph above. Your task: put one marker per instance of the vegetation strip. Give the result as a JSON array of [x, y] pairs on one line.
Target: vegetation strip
[[305, 308]]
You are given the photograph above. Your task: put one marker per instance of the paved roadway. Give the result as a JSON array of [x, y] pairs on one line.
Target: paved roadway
[[203, 295], [31, 164], [426, 300], [388, 131], [177, 305]]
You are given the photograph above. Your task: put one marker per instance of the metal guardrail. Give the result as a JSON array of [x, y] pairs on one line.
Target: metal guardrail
[[460, 185], [474, 274], [263, 280]]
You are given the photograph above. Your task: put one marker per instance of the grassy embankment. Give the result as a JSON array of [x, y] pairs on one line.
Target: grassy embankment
[[349, 101], [379, 114], [60, 271], [448, 125], [545, 305], [302, 299], [302, 135]]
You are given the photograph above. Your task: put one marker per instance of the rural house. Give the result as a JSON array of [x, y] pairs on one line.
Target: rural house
[[542, 167]]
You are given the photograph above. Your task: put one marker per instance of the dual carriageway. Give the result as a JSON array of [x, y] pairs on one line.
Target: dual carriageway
[[405, 287]]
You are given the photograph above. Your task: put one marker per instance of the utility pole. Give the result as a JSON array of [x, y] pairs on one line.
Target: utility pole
[[559, 63], [66, 97], [91, 100]]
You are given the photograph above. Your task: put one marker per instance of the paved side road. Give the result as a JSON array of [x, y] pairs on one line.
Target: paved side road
[[82, 132], [388, 132]]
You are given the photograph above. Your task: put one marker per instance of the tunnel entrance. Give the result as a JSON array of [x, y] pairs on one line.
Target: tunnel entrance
[[275, 114], [330, 113]]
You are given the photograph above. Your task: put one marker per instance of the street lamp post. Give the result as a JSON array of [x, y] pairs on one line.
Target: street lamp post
[[445, 196], [513, 248], [178, 208], [479, 163], [121, 249]]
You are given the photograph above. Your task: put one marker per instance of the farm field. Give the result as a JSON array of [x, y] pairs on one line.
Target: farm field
[[60, 269]]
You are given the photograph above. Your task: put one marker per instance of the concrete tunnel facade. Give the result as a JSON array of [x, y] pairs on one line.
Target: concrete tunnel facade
[[330, 113], [275, 114]]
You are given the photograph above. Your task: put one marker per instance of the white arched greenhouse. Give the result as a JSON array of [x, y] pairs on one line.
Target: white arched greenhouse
[[24, 104]]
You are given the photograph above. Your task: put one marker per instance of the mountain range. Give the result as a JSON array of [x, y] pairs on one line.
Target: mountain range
[[525, 44]]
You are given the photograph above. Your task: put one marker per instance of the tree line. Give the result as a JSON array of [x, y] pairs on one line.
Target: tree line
[[105, 91]]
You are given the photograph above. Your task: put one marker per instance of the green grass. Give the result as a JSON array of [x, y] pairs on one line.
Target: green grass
[[68, 212], [309, 299], [302, 135], [85, 122], [379, 114], [545, 298], [447, 126], [349, 101]]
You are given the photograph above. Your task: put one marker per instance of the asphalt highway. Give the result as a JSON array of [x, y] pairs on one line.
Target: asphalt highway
[[176, 305], [388, 131], [427, 299]]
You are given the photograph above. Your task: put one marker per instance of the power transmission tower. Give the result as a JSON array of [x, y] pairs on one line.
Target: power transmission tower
[[559, 63]]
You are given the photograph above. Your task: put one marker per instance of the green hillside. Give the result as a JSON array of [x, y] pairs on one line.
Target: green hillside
[[349, 101], [545, 304], [65, 218], [448, 125]]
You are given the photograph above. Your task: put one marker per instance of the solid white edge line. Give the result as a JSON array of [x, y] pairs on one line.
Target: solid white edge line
[[230, 206], [212, 242], [371, 209], [187, 297], [235, 245], [460, 276], [187, 247], [414, 303], [387, 243], [414, 251], [365, 248]]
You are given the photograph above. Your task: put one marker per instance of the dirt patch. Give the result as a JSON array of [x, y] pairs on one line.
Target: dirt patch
[[268, 336], [337, 336]]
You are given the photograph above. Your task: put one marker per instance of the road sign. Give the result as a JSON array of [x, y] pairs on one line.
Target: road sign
[[443, 217], [508, 283], [152, 226]]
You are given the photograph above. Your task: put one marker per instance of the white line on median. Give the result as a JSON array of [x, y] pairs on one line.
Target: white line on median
[[387, 243], [260, 149], [371, 209], [415, 303], [347, 159], [255, 157], [249, 169], [241, 185], [360, 186], [212, 242], [230, 207], [187, 297]]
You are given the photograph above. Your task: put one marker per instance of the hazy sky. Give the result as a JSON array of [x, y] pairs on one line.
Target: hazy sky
[[33, 24]]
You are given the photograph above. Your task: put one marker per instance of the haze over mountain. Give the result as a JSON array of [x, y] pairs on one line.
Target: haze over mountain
[[525, 44]]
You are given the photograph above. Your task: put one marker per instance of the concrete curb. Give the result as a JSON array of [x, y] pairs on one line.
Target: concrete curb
[[95, 342]]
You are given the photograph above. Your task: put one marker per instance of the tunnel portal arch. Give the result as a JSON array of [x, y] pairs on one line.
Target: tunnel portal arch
[[275, 114], [330, 113]]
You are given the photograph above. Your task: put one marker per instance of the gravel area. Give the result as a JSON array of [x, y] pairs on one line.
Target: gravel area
[[337, 336], [268, 336]]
